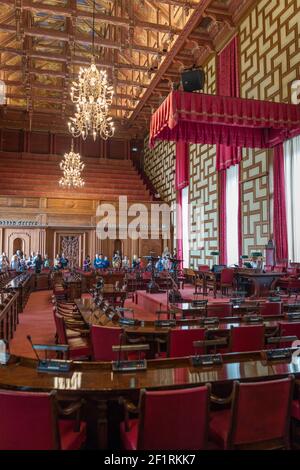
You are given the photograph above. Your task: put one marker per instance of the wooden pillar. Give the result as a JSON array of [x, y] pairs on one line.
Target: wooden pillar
[[42, 241], [1, 240]]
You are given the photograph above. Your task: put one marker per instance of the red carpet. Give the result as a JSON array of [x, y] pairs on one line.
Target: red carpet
[[36, 320], [37, 317]]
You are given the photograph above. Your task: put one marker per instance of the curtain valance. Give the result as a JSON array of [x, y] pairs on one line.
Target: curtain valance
[[211, 119]]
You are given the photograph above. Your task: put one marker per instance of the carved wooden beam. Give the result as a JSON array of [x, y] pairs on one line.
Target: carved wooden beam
[[39, 7], [191, 24]]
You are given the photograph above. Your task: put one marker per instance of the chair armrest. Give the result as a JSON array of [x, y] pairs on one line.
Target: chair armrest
[[73, 323], [73, 408], [221, 401], [129, 407], [272, 333], [139, 340], [81, 331]]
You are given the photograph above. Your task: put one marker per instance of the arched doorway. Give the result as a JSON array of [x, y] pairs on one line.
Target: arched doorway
[[18, 244]]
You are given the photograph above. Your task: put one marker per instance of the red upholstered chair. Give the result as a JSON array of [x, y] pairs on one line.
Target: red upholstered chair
[[180, 342], [169, 420], [203, 267], [79, 348], [247, 338], [259, 417], [280, 268], [268, 268], [29, 421], [220, 310], [103, 339], [272, 309], [288, 329], [227, 280]]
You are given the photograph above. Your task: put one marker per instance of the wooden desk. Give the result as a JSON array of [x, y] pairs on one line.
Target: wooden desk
[[262, 283], [8, 315], [189, 309], [72, 284], [101, 388], [113, 295], [153, 334], [23, 284]]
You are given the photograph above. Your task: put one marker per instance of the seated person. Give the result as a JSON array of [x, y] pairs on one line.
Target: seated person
[[116, 260], [166, 263], [30, 259], [254, 263], [19, 254], [4, 262], [15, 263], [23, 264], [166, 253], [87, 264], [106, 262], [64, 261], [46, 262], [38, 263], [99, 262], [125, 262], [135, 262], [159, 265], [57, 263]]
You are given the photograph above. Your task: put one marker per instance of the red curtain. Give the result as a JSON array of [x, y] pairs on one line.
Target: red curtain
[[210, 119], [179, 228], [280, 223], [228, 85], [240, 220], [182, 175], [182, 172]]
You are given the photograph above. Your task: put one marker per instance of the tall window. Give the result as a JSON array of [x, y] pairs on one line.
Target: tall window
[[292, 194], [232, 214], [185, 227]]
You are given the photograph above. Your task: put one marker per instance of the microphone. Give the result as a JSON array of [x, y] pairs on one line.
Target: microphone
[[33, 348]]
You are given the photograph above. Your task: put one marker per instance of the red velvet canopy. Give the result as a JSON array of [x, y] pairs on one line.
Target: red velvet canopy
[[211, 119]]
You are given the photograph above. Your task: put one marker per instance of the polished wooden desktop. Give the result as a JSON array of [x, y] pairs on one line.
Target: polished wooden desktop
[[100, 386], [23, 284], [261, 283], [148, 330]]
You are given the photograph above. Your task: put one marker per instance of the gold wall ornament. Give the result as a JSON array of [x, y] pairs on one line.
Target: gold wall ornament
[[72, 166]]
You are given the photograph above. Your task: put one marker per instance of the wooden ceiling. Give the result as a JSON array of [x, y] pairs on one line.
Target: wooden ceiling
[[144, 44]]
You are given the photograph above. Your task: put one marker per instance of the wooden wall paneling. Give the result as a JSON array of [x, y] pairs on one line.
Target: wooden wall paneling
[[12, 140], [39, 142], [30, 238]]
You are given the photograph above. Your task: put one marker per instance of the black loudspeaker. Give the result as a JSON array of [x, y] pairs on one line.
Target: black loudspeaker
[[193, 80]]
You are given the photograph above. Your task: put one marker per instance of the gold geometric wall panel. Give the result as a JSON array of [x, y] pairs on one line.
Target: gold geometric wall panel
[[269, 63], [204, 191], [160, 168]]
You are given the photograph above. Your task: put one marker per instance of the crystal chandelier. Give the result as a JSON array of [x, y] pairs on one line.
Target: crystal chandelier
[[72, 167], [92, 96]]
